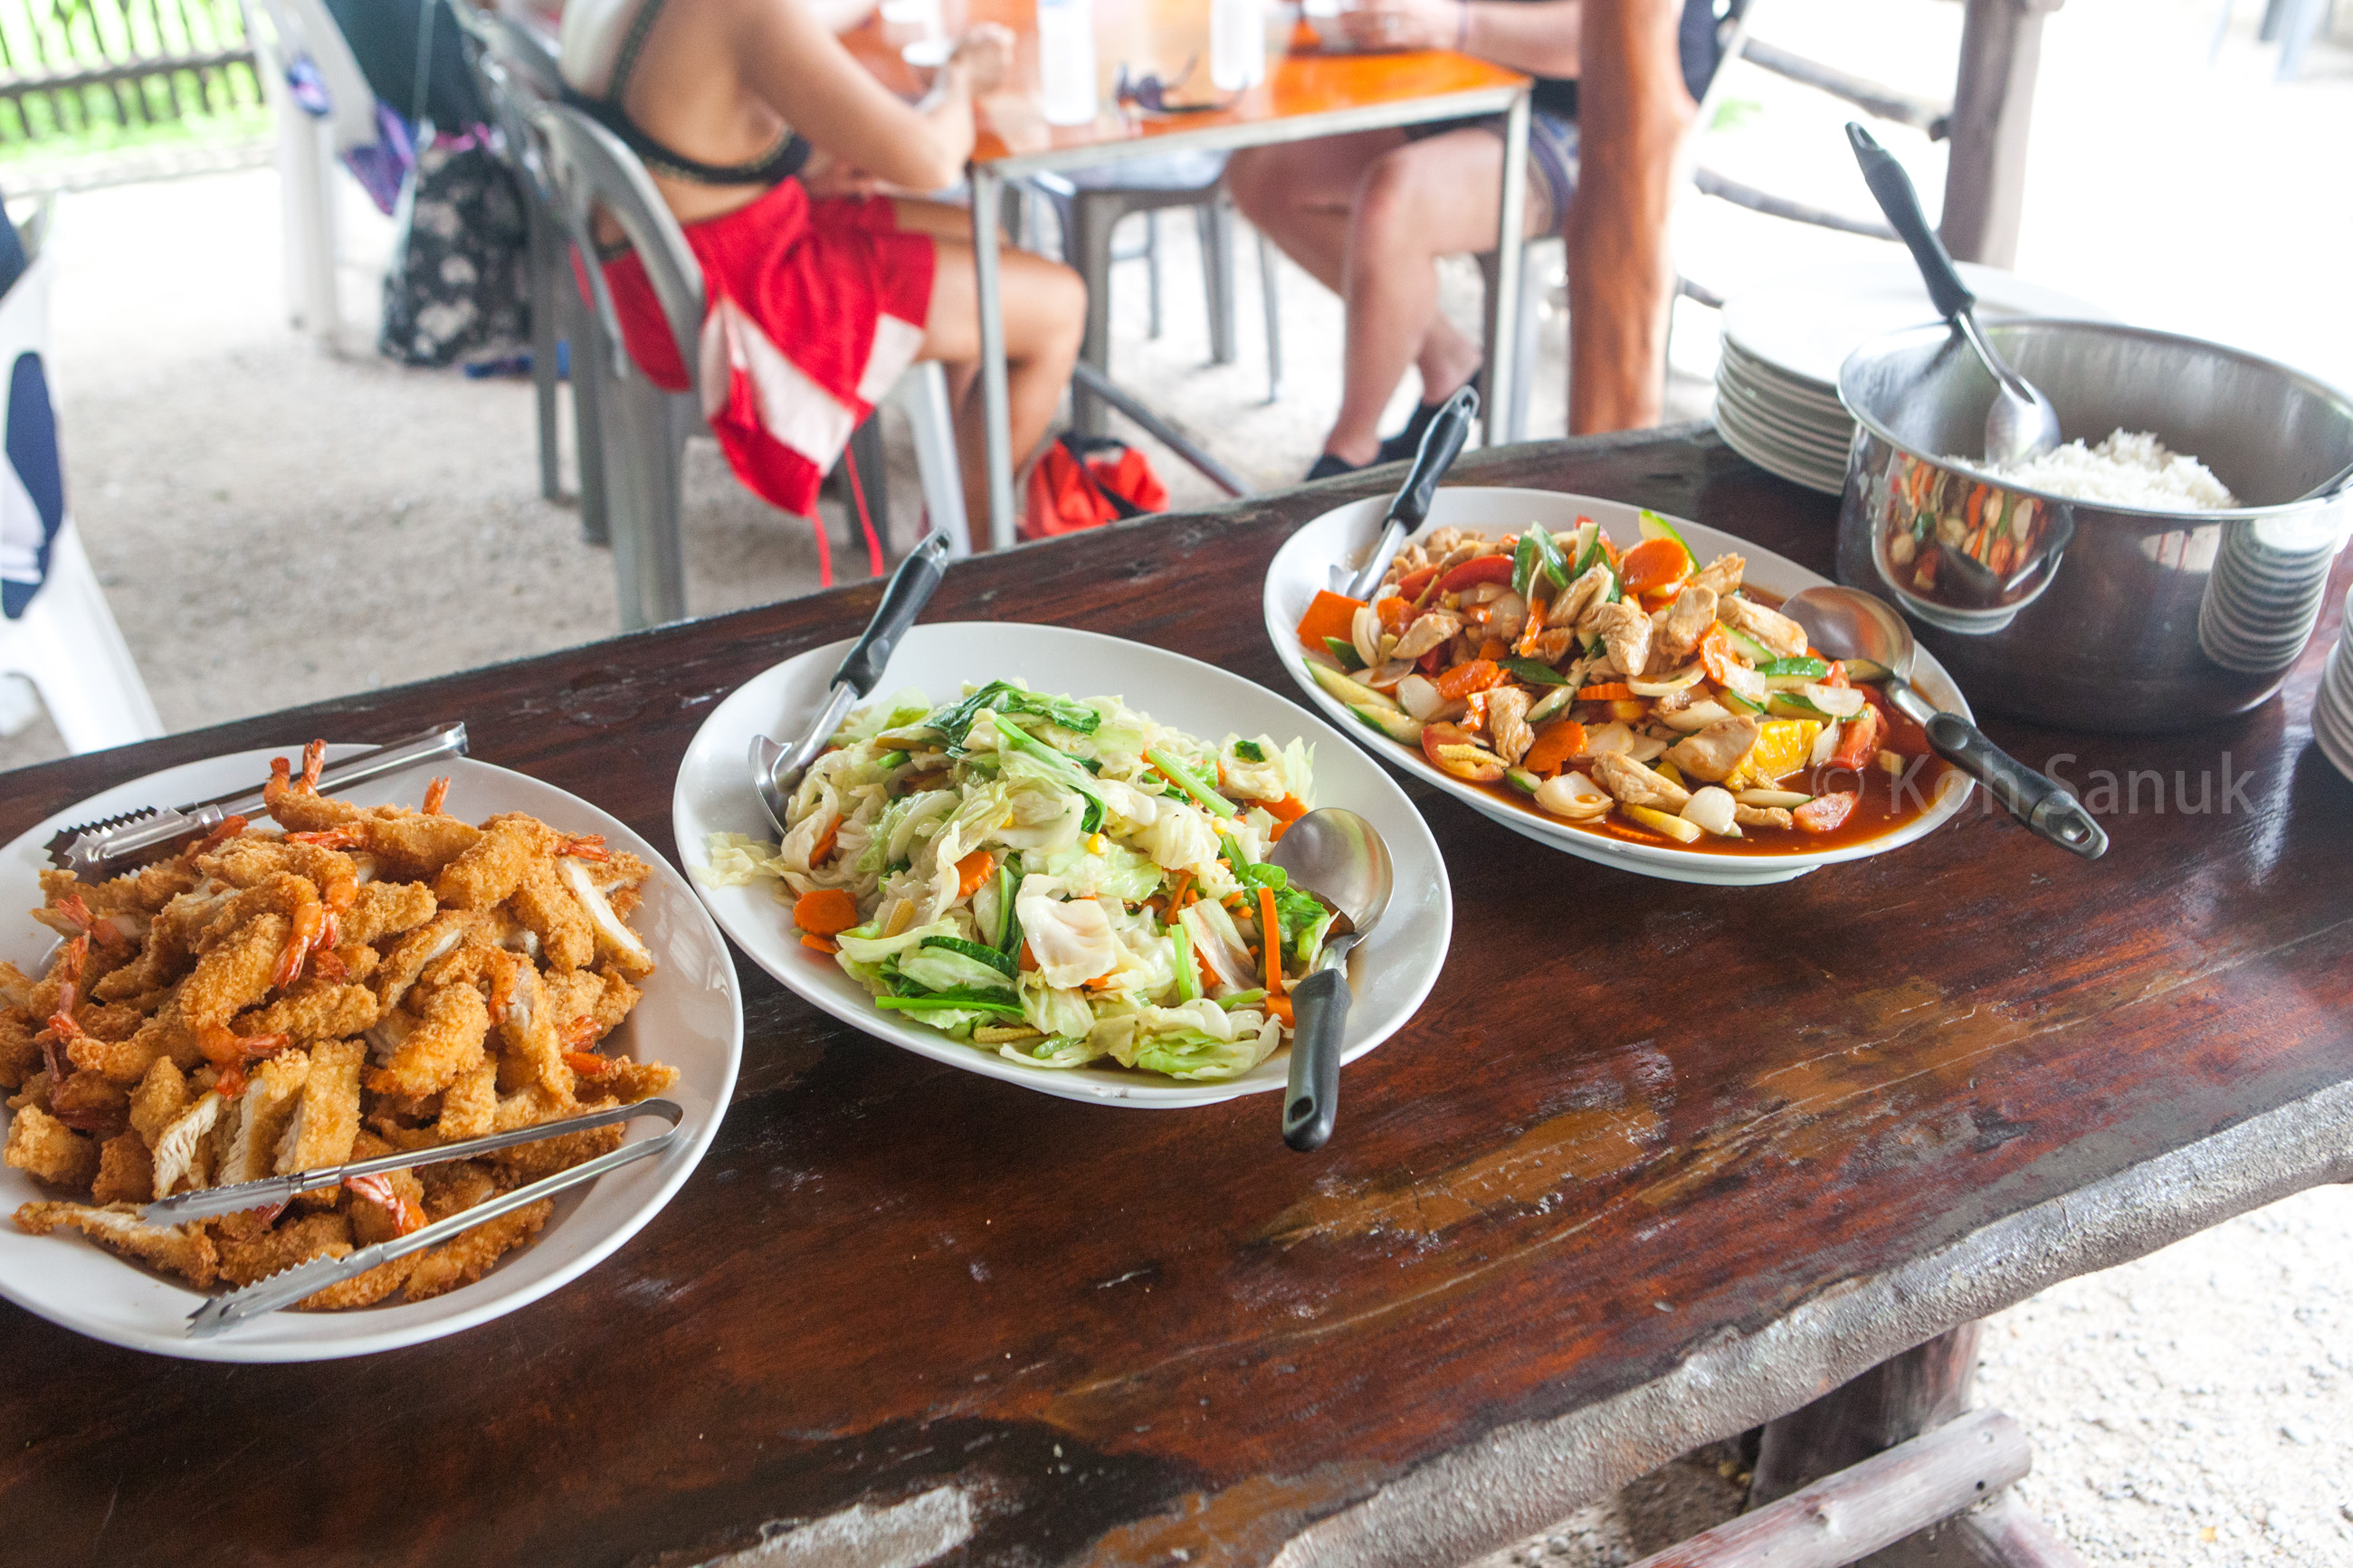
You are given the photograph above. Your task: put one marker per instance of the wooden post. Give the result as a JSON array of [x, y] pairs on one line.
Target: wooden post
[[1993, 104], [1849, 1515], [1925, 1386]]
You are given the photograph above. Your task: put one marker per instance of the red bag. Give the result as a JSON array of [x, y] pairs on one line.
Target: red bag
[[1080, 483]]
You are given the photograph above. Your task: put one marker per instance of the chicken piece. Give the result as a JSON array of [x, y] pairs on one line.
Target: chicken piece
[[466, 1257], [1427, 632], [141, 892], [126, 1171], [1685, 621], [530, 1031], [495, 865], [33, 1091], [549, 911], [1712, 753], [1635, 785], [1776, 631], [1625, 633], [185, 1150], [1761, 816], [625, 1081], [256, 861], [20, 1049], [1507, 723], [455, 1186], [1576, 601], [273, 1091], [531, 1106], [361, 1290], [470, 1106], [413, 953], [244, 1261], [1722, 576], [159, 1100], [447, 1041], [417, 846], [183, 1249], [92, 1103], [324, 1123], [1555, 643], [41, 1146], [315, 1009], [234, 975], [388, 909], [616, 944]]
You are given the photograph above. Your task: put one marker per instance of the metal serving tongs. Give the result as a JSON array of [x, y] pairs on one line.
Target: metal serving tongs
[[289, 1286], [1441, 442], [102, 850]]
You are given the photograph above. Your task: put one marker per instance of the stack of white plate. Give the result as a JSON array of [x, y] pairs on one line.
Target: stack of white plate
[[2264, 596], [1777, 398], [2332, 710]]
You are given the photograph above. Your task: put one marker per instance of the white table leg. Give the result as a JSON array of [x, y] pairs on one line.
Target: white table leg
[[995, 403], [1510, 244]]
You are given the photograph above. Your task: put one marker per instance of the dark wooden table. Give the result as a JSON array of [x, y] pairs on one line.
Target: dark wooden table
[[1655, 1163]]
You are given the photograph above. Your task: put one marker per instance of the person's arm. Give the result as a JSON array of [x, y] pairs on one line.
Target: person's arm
[[800, 68], [1538, 36], [840, 15], [1633, 111]]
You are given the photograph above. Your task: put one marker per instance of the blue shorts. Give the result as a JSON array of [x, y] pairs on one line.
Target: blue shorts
[[1552, 151]]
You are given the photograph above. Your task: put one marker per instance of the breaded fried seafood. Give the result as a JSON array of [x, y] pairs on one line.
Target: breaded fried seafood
[[360, 981]]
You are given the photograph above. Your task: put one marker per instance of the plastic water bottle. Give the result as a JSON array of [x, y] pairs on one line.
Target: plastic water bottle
[[1066, 61], [1237, 43]]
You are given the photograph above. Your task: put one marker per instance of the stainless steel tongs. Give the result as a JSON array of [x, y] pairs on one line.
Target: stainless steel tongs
[[291, 1285], [98, 850]]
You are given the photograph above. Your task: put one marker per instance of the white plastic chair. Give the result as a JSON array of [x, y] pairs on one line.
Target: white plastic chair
[[66, 642], [308, 147], [642, 429]]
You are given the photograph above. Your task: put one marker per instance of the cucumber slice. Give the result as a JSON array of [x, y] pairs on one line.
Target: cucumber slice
[[1808, 669], [1837, 701], [1523, 780], [1737, 703], [1389, 722], [1558, 698], [1653, 526], [1865, 669], [1793, 705], [1350, 693], [1345, 652], [1746, 646]]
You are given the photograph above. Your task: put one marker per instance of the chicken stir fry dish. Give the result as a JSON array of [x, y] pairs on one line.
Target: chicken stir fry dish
[[358, 982], [1062, 882], [1635, 693]]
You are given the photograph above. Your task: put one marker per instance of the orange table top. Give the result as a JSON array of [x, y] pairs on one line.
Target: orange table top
[[1306, 92]]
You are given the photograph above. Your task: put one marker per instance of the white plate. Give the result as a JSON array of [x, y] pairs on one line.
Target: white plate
[[691, 1017], [1343, 535], [1773, 458], [1806, 323], [1390, 972]]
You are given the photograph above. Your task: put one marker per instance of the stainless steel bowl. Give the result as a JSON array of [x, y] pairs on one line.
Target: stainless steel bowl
[[2074, 613]]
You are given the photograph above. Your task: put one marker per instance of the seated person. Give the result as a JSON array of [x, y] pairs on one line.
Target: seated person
[[770, 143], [1369, 213]]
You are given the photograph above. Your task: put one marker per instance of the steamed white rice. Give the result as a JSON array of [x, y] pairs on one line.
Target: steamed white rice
[[2126, 470]]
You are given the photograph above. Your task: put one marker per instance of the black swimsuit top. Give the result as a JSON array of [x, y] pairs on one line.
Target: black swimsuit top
[[774, 168]]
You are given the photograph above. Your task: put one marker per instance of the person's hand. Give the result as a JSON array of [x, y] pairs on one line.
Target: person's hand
[[826, 177], [986, 53], [1401, 24]]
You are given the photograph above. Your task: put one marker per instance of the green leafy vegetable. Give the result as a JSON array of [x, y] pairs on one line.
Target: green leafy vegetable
[[990, 956], [1535, 671], [1182, 778], [1002, 697]]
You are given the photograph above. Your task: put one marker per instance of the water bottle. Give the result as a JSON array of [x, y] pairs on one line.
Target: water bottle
[[1237, 43], [1066, 61]]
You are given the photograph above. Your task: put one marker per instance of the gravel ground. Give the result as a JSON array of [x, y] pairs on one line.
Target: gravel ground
[[275, 526]]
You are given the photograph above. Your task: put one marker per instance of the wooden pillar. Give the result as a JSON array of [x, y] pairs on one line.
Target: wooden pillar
[[1897, 1400], [1634, 112], [1993, 106]]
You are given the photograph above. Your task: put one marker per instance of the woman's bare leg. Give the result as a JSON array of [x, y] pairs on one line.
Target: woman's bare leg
[[1424, 200], [1044, 308], [1299, 195]]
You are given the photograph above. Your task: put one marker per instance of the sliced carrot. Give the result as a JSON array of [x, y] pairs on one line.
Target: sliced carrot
[[973, 870], [824, 850], [1494, 649], [1279, 1005], [1470, 676], [1331, 615], [822, 944], [1271, 931], [828, 911], [1178, 886], [1028, 958], [1608, 691], [1554, 744], [1653, 565], [1290, 808], [1653, 603], [1395, 613]]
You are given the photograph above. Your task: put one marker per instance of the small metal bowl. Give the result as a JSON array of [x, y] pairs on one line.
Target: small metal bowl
[[2071, 612]]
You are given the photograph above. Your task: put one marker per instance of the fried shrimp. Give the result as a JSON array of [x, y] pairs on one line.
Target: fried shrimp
[[369, 979]]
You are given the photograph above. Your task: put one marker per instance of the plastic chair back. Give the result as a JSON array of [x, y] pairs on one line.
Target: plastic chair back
[[595, 173], [306, 28]]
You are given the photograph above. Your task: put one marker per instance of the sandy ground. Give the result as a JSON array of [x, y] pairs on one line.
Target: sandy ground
[[274, 525]]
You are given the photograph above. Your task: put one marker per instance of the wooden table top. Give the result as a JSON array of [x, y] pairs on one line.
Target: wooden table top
[[1654, 1163], [1303, 85]]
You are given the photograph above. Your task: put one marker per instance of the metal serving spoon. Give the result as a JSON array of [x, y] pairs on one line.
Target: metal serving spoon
[[776, 769], [1847, 623], [2022, 423], [1336, 855]]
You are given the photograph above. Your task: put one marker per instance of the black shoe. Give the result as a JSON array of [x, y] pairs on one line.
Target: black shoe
[[1406, 445], [1329, 467]]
